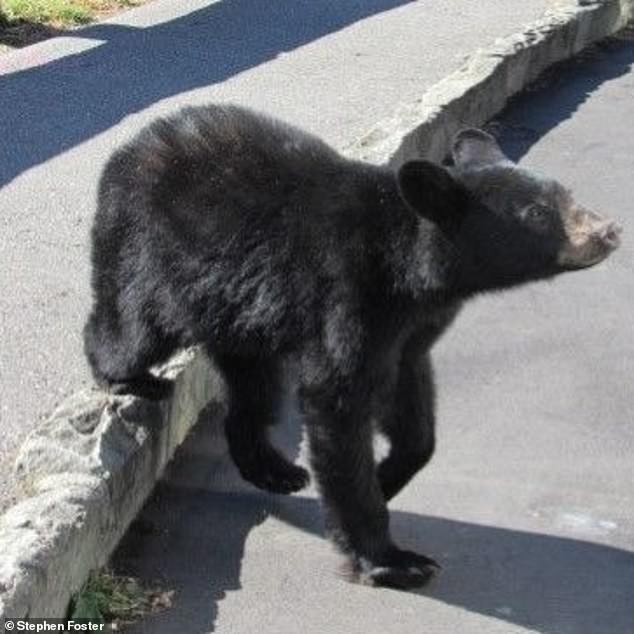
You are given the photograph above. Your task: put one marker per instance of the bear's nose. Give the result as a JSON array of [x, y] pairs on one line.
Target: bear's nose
[[610, 234]]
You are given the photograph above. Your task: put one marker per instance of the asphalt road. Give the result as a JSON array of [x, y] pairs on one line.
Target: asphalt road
[[333, 67], [528, 504]]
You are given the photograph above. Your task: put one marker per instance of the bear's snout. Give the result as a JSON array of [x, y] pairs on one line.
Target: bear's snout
[[610, 235], [590, 238]]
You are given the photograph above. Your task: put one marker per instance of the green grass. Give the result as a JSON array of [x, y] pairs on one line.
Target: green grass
[[24, 22], [47, 11], [108, 598], [57, 13]]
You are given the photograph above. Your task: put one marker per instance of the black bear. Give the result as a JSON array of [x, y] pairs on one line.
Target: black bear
[[222, 227]]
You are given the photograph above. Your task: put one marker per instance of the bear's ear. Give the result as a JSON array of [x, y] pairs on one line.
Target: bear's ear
[[473, 148], [431, 191]]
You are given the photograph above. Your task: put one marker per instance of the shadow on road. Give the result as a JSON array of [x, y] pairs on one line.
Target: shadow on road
[[52, 107], [558, 94], [546, 583]]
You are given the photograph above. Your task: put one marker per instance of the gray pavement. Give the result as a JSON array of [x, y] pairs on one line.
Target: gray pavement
[[528, 504], [335, 68]]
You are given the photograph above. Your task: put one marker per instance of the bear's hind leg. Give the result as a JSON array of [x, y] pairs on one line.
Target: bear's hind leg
[[255, 387], [120, 360]]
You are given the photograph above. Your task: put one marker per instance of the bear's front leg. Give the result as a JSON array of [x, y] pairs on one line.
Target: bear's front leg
[[340, 439], [409, 423]]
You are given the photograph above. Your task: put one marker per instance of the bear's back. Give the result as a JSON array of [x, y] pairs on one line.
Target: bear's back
[[244, 223], [213, 168], [229, 147]]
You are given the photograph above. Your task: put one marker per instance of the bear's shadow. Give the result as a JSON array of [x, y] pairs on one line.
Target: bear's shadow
[[546, 583], [193, 539]]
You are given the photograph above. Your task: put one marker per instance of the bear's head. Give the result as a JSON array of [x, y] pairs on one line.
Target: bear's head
[[507, 224]]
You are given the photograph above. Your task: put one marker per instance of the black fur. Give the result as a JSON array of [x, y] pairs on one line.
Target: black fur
[[225, 228]]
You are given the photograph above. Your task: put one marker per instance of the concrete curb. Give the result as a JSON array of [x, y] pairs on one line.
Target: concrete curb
[[479, 90], [87, 470]]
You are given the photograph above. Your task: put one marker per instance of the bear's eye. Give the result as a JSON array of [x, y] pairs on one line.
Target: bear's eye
[[536, 214]]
